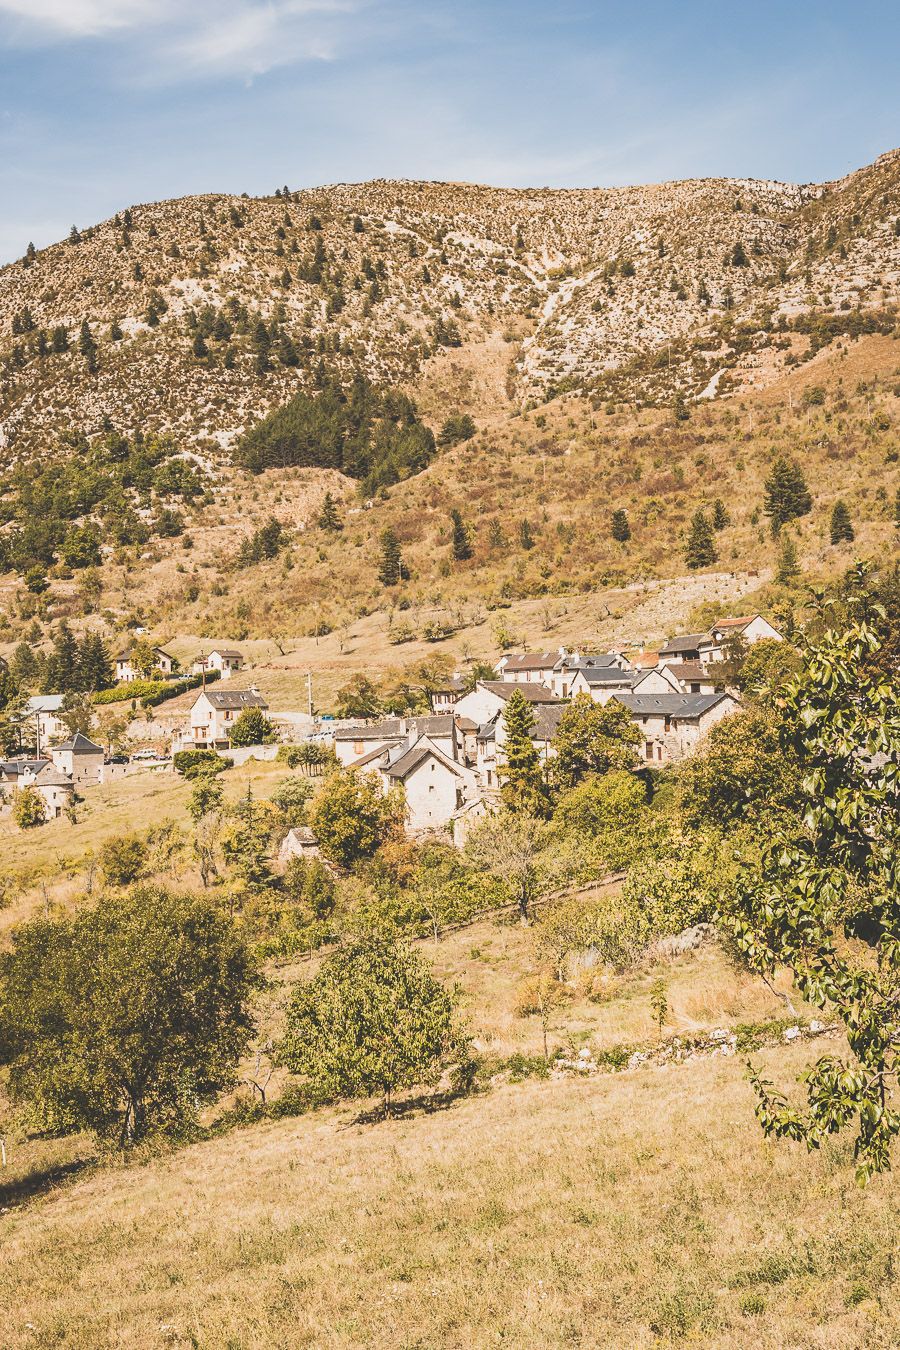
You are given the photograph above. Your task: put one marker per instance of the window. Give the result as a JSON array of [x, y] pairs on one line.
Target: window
[[648, 750], [357, 747], [668, 724], [659, 752]]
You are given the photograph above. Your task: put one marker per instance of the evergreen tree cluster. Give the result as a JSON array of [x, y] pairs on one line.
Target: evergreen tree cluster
[[367, 434], [92, 489], [72, 666]]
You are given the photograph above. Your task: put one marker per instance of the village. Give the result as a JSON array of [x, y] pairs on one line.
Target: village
[[448, 762]]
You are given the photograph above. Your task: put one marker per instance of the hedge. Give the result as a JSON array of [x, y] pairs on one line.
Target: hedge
[[151, 692]]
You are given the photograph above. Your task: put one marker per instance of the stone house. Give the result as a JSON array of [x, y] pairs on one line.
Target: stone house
[[354, 744], [126, 672], [214, 713], [435, 785], [491, 696], [570, 663], [79, 758], [529, 668], [751, 628], [227, 661], [55, 788], [445, 698], [673, 725], [300, 842]]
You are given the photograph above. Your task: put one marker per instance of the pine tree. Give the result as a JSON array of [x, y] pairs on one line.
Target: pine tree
[[621, 530], [329, 519], [788, 569], [391, 571], [199, 346], [526, 536], [787, 495], [720, 517], [462, 548], [841, 524], [87, 346], [739, 256], [701, 544], [680, 408], [60, 340], [523, 788]]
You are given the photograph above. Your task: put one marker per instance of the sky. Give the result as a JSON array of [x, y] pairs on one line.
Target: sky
[[108, 103]]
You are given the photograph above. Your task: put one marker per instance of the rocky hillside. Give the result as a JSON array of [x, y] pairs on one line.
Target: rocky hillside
[[197, 315]]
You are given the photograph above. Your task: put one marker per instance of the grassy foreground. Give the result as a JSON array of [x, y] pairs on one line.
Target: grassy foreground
[[633, 1210]]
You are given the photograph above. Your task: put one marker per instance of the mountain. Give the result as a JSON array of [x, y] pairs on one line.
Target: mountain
[[686, 288]]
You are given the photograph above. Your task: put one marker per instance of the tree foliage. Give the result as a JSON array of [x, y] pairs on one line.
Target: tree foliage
[[374, 1020], [522, 784], [593, 738], [825, 899], [351, 817], [125, 1017]]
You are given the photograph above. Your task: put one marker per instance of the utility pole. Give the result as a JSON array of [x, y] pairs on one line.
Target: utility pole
[[309, 692]]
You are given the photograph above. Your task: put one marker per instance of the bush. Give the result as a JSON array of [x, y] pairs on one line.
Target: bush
[[28, 808], [196, 762], [123, 859], [351, 817], [152, 692], [252, 727]]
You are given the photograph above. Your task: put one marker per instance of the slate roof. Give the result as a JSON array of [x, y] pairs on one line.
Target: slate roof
[[417, 754], [600, 661], [49, 703], [687, 707], [437, 724], [692, 672], [531, 661], [53, 777], [687, 642], [546, 720], [79, 745], [609, 675], [532, 693], [231, 700], [13, 768]]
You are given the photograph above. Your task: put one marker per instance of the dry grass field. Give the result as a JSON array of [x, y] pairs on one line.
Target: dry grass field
[[640, 1209]]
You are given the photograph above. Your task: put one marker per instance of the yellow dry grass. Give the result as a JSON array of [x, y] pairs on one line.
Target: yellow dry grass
[[635, 1210]]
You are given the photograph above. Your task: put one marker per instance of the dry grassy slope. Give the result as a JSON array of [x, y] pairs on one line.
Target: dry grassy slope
[[532, 263], [637, 1210]]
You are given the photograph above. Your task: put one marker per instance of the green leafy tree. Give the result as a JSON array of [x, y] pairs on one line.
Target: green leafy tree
[[28, 808], [458, 427], [513, 848], [523, 787], [829, 872], [611, 802], [351, 817], [460, 543], [206, 797], [125, 1017], [329, 520], [620, 528], [741, 773], [359, 697], [841, 528], [252, 727], [390, 570], [659, 1003], [593, 738], [701, 543], [787, 496], [373, 1021], [247, 841], [123, 859]]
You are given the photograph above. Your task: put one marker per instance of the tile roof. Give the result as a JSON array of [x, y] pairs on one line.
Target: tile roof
[[530, 661], [608, 675], [411, 759]]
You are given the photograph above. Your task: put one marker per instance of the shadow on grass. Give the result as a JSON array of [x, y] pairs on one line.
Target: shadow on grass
[[426, 1104], [39, 1182]]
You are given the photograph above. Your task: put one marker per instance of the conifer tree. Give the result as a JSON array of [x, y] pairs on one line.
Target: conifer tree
[[720, 517], [841, 524], [462, 548], [787, 495], [391, 570], [526, 535], [788, 566], [701, 544], [621, 530], [523, 788], [329, 519]]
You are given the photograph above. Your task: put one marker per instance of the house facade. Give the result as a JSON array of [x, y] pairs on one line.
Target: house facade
[[42, 713], [354, 744], [227, 661], [673, 725], [79, 759], [434, 785], [529, 668], [126, 672], [214, 713], [491, 696]]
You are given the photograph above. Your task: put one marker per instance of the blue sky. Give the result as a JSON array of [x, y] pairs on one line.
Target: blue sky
[[104, 103]]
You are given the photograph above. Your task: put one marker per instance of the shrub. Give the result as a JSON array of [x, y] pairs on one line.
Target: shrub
[[252, 727], [123, 859], [195, 762], [351, 817], [28, 808]]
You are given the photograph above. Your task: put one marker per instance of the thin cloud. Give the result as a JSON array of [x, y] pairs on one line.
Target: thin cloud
[[175, 40]]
